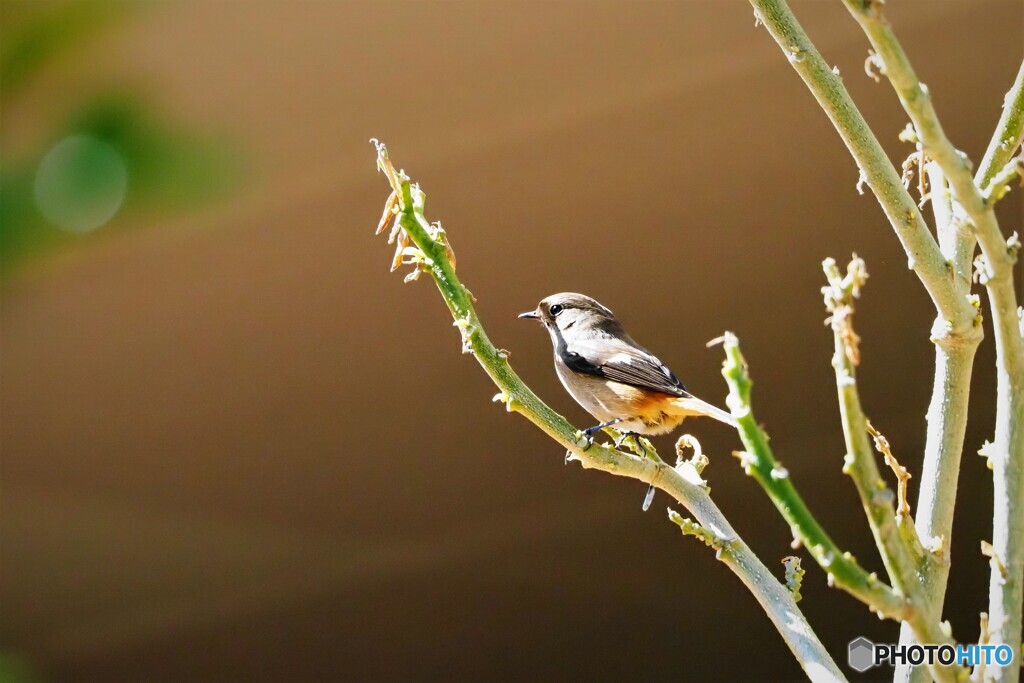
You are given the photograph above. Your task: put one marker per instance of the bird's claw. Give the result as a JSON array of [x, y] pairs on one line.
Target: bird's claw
[[585, 440], [639, 448]]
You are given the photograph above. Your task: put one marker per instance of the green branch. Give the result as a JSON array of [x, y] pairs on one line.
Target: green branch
[[1007, 137], [876, 170], [995, 271], [860, 464], [759, 462], [955, 332], [896, 538], [946, 418], [425, 248]]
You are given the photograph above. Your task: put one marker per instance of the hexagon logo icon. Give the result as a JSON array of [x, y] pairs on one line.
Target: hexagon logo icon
[[861, 656]]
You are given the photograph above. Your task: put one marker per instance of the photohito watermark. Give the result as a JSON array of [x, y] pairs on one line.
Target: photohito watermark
[[863, 654]]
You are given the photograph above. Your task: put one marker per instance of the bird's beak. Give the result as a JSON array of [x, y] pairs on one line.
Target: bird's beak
[[530, 314]]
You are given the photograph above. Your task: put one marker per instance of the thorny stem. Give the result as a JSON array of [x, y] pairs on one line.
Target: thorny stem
[[902, 211], [955, 320], [946, 417], [759, 462], [1006, 591], [891, 536], [683, 482]]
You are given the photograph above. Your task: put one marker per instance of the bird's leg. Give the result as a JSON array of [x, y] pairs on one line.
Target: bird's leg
[[588, 433], [596, 428], [649, 498], [637, 447]]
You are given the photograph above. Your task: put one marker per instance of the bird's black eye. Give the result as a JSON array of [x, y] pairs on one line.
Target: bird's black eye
[[556, 309]]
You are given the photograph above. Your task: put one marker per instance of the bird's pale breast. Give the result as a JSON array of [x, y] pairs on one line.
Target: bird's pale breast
[[608, 400]]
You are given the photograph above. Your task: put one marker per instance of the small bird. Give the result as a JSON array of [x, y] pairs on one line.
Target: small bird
[[615, 379]]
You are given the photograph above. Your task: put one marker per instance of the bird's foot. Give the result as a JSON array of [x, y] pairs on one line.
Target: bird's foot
[[589, 432], [586, 436], [636, 445], [584, 439]]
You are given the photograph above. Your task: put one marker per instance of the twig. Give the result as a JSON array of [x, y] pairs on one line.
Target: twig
[[759, 462], [860, 463], [843, 570], [898, 555], [683, 482], [881, 176], [1002, 181], [996, 273], [1008, 134], [902, 475]]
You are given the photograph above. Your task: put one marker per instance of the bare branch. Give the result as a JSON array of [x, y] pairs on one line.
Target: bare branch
[[877, 170], [996, 273], [1008, 134], [897, 544], [759, 462]]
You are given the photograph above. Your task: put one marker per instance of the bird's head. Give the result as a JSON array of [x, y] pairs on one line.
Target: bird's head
[[568, 310]]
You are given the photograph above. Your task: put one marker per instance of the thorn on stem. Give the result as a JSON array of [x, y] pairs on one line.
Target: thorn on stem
[[794, 575], [716, 341], [935, 545], [902, 475], [692, 528], [748, 461], [873, 66], [990, 552], [507, 399], [796, 543], [389, 212], [839, 296], [986, 451], [983, 272], [909, 134]]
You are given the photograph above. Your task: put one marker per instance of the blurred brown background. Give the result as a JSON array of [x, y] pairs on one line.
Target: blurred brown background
[[236, 448]]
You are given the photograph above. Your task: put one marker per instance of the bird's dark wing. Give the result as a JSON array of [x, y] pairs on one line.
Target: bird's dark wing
[[618, 360]]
